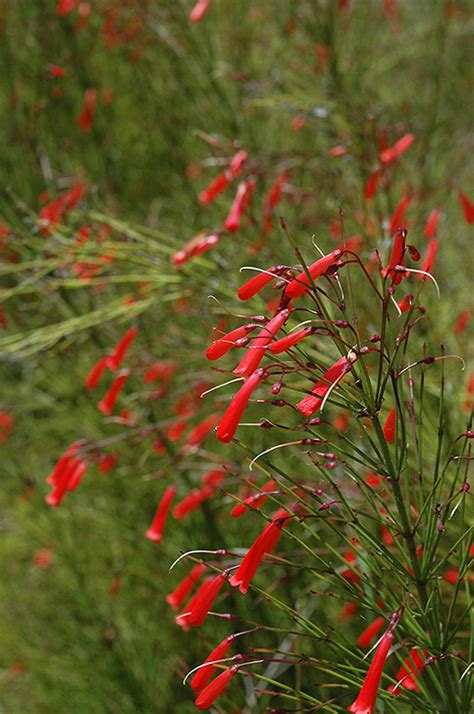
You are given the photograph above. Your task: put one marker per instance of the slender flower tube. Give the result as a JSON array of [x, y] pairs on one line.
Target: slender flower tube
[[202, 430], [365, 702], [399, 214], [225, 343], [210, 194], [298, 286], [429, 258], [198, 11], [196, 246], [232, 222], [284, 343], [204, 602], [117, 356], [461, 322], [265, 543], [230, 420], [467, 207], [213, 690], [272, 198], [236, 163], [192, 501], [405, 303], [107, 404], [255, 501], [155, 531], [259, 281], [67, 478], [372, 184], [311, 403], [409, 672], [183, 618], [396, 258], [204, 674], [390, 426], [96, 372], [179, 595], [431, 225], [370, 633], [388, 156], [256, 350]]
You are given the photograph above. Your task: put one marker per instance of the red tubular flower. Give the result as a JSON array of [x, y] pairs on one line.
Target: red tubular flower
[[183, 618], [7, 423], [198, 245], [225, 343], [198, 11], [86, 116], [204, 674], [431, 225], [298, 286], [192, 501], [236, 163], [155, 531], [272, 199], [284, 344], [117, 356], [64, 7], [461, 322], [370, 633], [429, 258], [399, 214], [160, 370], [372, 184], [311, 403], [202, 430], [257, 500], [390, 426], [210, 194], [67, 476], [467, 207], [230, 420], [409, 672], [259, 281], [405, 303], [107, 462], [389, 155], [348, 611], [265, 543], [213, 690], [365, 702], [396, 258], [179, 595], [107, 404], [96, 372], [203, 603], [256, 350], [242, 196]]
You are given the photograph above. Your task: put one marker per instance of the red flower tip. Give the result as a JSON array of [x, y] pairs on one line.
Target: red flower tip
[[311, 403], [204, 674], [370, 633], [365, 702], [202, 604], [256, 350], [225, 343], [259, 281], [230, 420], [117, 356], [155, 532], [298, 286], [96, 372], [389, 155], [107, 404], [389, 428], [467, 207], [213, 690], [265, 543], [431, 225], [179, 595], [198, 11]]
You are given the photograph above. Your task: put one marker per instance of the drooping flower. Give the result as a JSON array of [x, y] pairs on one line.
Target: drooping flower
[[117, 356], [365, 702], [198, 11], [179, 595], [467, 207], [372, 184], [311, 403], [236, 163], [272, 199], [429, 258], [107, 404], [202, 605], [230, 420], [255, 501], [218, 185], [370, 633], [256, 350], [409, 672], [298, 286], [259, 281], [405, 303], [107, 462], [390, 426], [265, 543], [431, 225], [202, 430], [66, 476], [155, 531], [213, 690], [86, 116], [198, 245], [204, 674], [192, 501], [398, 216], [397, 257], [461, 322], [241, 200], [388, 156], [284, 343], [225, 343]]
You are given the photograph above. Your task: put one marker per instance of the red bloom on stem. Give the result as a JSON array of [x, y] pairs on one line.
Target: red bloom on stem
[[370, 633], [117, 356], [96, 372], [405, 303], [155, 531], [203, 603], [217, 186], [242, 197], [390, 426], [398, 216], [467, 207], [259, 281], [6, 425], [256, 350], [202, 430], [237, 162], [365, 702], [461, 322], [265, 543], [64, 7], [432, 223], [397, 257], [192, 501], [179, 595], [429, 258], [66, 475], [389, 155], [272, 199], [230, 420], [107, 404], [255, 501], [204, 674], [86, 116], [311, 403], [372, 184], [198, 245], [284, 343], [409, 672], [298, 286], [198, 11], [213, 690], [225, 343]]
